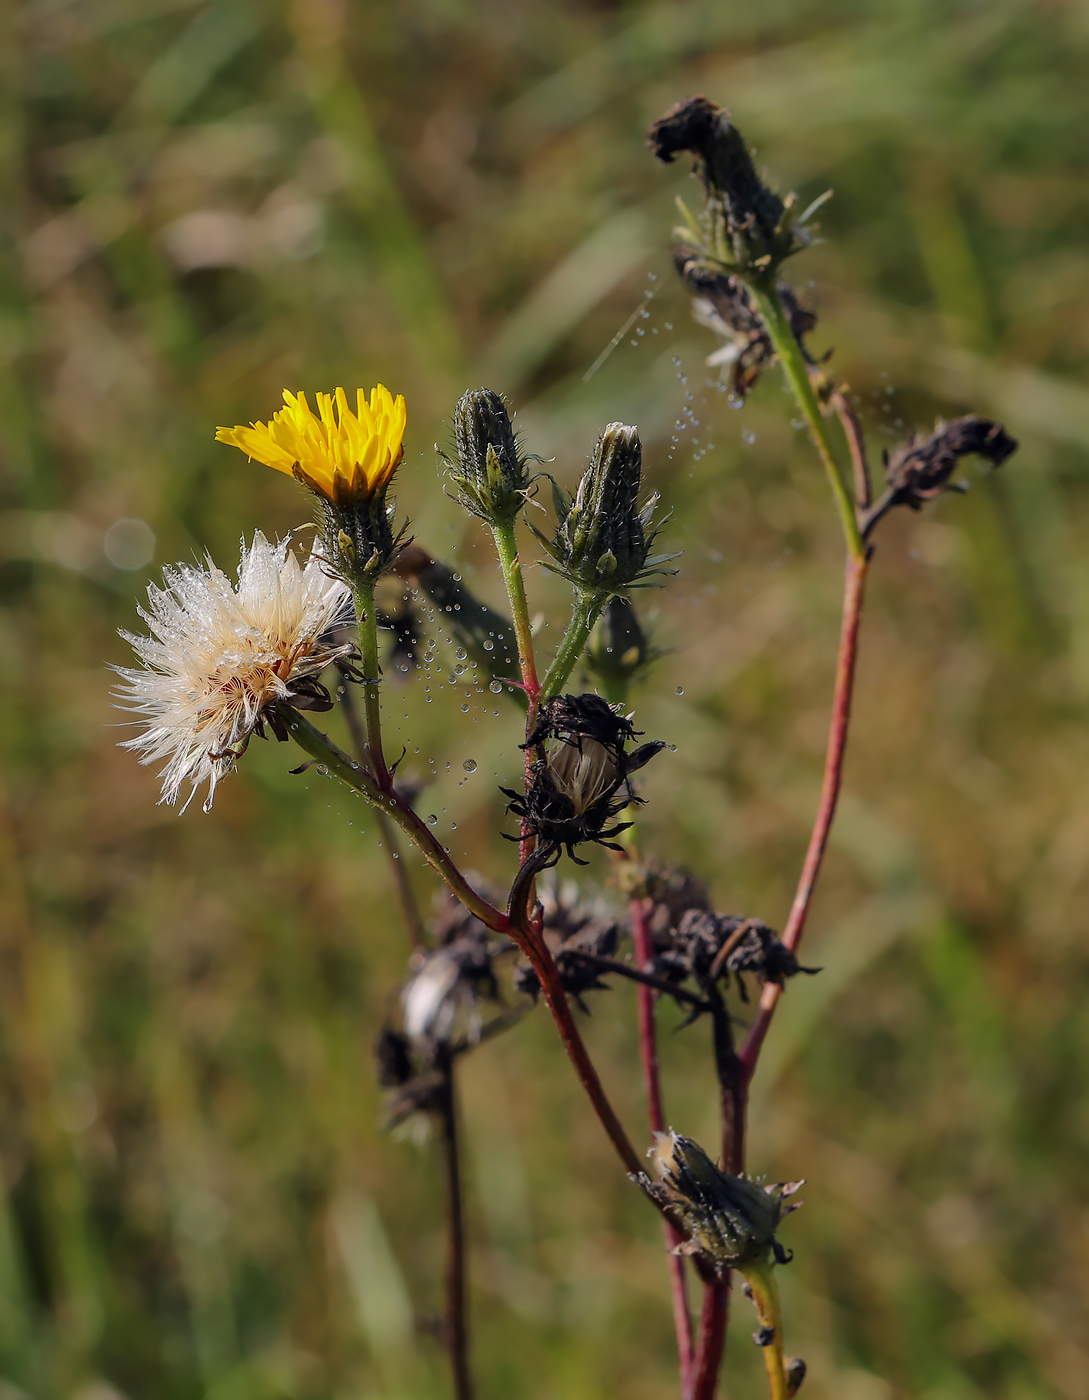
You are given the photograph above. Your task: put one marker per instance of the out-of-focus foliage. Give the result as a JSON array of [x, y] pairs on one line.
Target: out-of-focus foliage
[[204, 202]]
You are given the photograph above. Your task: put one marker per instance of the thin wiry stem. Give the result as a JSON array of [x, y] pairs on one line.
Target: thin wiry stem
[[648, 1047], [856, 444], [853, 595], [456, 1321], [341, 765], [406, 896]]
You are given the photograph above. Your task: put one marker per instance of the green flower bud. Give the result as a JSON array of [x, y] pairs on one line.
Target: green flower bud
[[603, 538], [489, 475], [358, 538], [731, 1219]]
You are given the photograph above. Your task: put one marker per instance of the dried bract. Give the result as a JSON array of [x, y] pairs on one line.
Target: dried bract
[[920, 469], [572, 925], [723, 304]]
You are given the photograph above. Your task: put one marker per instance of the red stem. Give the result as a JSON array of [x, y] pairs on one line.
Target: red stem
[[854, 589], [648, 1045], [712, 1338]]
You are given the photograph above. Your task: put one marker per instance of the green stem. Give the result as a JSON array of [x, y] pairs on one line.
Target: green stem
[[765, 1294], [507, 548], [372, 671], [790, 356], [585, 614], [341, 765]]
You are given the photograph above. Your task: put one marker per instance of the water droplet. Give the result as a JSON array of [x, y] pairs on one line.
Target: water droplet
[[496, 687], [748, 436], [680, 690], [465, 709], [489, 646], [797, 424], [469, 765], [453, 826], [431, 819], [736, 402]]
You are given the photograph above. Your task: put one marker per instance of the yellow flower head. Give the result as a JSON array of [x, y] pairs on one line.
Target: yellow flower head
[[344, 456]]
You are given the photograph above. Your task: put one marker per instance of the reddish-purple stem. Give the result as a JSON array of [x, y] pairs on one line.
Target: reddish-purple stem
[[648, 1044], [854, 589]]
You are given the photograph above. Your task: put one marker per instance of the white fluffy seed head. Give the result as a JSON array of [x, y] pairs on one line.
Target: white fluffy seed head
[[219, 653]]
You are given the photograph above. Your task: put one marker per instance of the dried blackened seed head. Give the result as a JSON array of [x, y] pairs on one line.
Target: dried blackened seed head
[[724, 305], [709, 947], [746, 217], [442, 1000], [920, 469], [587, 716], [393, 1054], [795, 1369], [580, 782]]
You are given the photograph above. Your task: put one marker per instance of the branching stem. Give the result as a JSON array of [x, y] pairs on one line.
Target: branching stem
[[584, 615], [341, 765]]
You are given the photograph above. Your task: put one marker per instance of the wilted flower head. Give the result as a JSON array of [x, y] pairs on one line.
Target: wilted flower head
[[340, 455], [731, 1219], [750, 229], [489, 474], [581, 777], [603, 537], [220, 654]]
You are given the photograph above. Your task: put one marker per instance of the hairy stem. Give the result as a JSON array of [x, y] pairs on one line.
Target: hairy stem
[[372, 673], [341, 765], [507, 548], [853, 595], [456, 1327], [585, 614], [765, 1294], [790, 356], [648, 1047]]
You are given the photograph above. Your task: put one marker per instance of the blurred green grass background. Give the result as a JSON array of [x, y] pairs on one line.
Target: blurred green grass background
[[205, 202]]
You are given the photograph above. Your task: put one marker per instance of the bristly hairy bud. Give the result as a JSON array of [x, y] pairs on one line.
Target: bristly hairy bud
[[920, 469], [751, 230], [489, 475], [603, 538], [730, 1219]]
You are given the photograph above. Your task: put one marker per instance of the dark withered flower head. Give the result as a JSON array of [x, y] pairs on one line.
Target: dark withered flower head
[[581, 777], [750, 227], [442, 1000], [490, 475], [572, 924], [709, 948], [920, 468], [723, 304], [603, 536], [732, 1220]]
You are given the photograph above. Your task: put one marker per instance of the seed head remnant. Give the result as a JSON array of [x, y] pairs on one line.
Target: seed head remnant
[[220, 656]]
